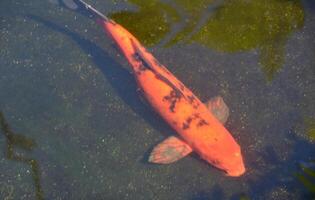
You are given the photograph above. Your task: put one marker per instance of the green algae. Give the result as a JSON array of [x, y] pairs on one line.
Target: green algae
[[310, 128], [307, 173], [241, 25], [244, 197], [234, 26], [7, 191], [149, 23], [307, 177], [194, 11], [15, 141]]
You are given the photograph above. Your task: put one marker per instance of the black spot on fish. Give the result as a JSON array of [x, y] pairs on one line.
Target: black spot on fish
[[202, 122], [191, 98], [186, 124], [195, 117], [173, 98], [139, 57], [178, 92], [147, 65], [196, 105], [189, 120], [143, 64], [193, 101]]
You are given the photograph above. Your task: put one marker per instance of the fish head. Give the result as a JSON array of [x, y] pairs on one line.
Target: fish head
[[235, 165], [232, 163], [227, 157]]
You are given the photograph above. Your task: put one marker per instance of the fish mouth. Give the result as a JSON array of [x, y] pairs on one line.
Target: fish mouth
[[236, 173]]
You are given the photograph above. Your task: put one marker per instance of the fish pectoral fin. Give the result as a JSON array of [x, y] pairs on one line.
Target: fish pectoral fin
[[218, 108], [169, 150]]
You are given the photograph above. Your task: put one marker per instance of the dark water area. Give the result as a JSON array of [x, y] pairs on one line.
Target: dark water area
[[73, 126]]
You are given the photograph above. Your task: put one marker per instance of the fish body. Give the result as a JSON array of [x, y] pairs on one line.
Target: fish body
[[198, 129]]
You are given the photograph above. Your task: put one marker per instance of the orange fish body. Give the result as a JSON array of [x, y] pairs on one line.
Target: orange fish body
[[198, 128]]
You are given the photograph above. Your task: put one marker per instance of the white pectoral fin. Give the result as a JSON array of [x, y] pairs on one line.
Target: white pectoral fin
[[218, 108], [169, 150]]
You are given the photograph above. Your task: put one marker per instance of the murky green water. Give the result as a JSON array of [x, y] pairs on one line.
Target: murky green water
[[74, 127]]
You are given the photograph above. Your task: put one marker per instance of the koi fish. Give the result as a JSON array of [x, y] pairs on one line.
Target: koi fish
[[196, 125]]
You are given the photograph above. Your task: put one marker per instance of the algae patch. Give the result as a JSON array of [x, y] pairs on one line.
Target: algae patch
[[150, 22], [231, 26]]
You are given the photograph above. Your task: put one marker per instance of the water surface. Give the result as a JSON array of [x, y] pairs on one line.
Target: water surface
[[74, 127]]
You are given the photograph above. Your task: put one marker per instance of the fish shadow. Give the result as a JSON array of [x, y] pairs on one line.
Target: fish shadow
[[119, 78]]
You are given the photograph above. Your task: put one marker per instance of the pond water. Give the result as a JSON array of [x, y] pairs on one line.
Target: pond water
[[74, 127]]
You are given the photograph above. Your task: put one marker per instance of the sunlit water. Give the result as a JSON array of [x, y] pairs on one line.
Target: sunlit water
[[74, 127]]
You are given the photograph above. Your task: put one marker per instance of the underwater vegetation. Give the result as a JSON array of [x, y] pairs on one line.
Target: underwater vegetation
[[6, 191], [150, 23], [227, 26], [307, 176], [244, 197], [310, 128], [307, 173], [14, 141]]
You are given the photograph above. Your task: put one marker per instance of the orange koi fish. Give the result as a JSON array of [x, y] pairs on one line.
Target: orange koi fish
[[197, 127]]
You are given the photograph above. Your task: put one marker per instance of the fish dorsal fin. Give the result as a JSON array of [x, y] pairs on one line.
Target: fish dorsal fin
[[146, 62], [148, 59], [218, 108], [169, 150]]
